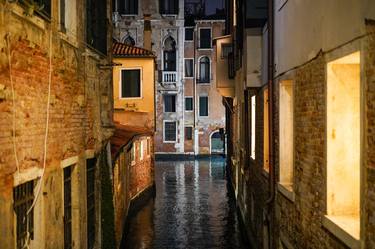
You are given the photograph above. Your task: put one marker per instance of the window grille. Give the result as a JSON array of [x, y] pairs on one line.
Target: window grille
[[68, 208], [23, 196], [90, 188], [170, 131]]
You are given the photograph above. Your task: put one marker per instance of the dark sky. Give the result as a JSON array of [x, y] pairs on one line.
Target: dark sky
[[211, 5]]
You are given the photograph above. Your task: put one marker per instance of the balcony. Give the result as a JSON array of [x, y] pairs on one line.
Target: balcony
[[169, 77]]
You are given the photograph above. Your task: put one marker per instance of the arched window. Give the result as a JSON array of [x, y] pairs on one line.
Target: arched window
[[169, 54], [204, 70], [129, 41]]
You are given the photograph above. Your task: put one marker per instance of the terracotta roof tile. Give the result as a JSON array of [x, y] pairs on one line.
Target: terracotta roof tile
[[123, 50]]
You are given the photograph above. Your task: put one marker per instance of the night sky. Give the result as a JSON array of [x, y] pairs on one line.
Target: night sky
[[211, 5]]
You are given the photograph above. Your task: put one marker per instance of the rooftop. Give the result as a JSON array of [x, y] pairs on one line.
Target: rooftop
[[124, 50]]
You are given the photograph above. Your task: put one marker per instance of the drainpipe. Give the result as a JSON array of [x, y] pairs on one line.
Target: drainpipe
[[195, 70], [272, 175]]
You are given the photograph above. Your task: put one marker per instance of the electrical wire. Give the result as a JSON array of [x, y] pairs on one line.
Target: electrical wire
[[13, 103], [40, 183]]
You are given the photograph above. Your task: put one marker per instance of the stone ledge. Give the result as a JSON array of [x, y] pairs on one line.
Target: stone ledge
[[286, 191], [338, 229]]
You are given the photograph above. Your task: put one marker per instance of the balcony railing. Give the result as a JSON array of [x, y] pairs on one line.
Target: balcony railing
[[169, 77]]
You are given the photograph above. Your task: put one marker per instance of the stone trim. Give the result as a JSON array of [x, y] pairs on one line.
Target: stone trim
[[69, 161], [340, 233], [286, 191]]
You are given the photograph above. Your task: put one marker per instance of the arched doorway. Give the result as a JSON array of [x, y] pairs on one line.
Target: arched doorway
[[216, 143]]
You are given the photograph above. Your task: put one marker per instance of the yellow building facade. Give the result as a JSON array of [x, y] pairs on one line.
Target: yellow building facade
[[134, 86]]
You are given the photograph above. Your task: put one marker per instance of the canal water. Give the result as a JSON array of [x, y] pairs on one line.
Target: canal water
[[193, 208]]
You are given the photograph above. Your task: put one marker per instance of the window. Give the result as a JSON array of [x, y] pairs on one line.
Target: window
[[68, 15], [96, 24], [169, 7], [140, 150], [266, 149], [132, 153], [170, 130], [226, 48], [90, 199], [189, 104], [188, 133], [204, 70], [23, 197], [128, 40], [169, 52], [252, 124], [189, 68], [286, 134], [344, 143], [43, 8], [189, 34], [128, 7], [67, 172], [130, 83], [169, 103], [203, 106], [205, 38]]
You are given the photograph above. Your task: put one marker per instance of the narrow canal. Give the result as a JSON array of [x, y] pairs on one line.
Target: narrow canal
[[193, 208]]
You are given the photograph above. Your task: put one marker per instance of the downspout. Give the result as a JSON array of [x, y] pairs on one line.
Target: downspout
[[272, 173], [195, 70]]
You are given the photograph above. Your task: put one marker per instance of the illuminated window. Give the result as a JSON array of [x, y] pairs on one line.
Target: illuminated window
[[253, 110], [265, 132], [343, 143], [286, 134]]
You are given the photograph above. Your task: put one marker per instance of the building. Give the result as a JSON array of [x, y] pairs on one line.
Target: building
[[132, 145], [300, 126], [56, 112], [160, 26]]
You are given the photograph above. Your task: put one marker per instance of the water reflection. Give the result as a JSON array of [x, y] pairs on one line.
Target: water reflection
[[192, 209]]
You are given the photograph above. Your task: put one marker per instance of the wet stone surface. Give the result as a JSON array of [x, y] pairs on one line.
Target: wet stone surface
[[193, 209]]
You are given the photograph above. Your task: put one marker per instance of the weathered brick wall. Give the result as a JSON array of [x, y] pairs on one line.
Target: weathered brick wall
[[78, 94], [370, 138]]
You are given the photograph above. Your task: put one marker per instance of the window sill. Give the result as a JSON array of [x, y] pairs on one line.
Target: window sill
[[189, 40], [345, 228], [209, 49], [169, 15], [69, 39], [169, 142], [36, 20], [286, 190]]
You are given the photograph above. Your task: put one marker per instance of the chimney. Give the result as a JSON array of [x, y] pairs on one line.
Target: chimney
[[147, 32]]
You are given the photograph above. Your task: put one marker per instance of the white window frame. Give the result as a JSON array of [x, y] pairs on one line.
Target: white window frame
[[120, 82], [189, 77], [208, 106], [189, 97], [199, 69], [199, 38], [165, 141], [190, 27]]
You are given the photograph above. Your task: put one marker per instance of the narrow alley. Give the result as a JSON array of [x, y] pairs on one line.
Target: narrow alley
[[194, 208]]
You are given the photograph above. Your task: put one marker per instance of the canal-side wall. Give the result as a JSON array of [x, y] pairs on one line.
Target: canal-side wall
[[299, 216], [133, 181], [79, 97]]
